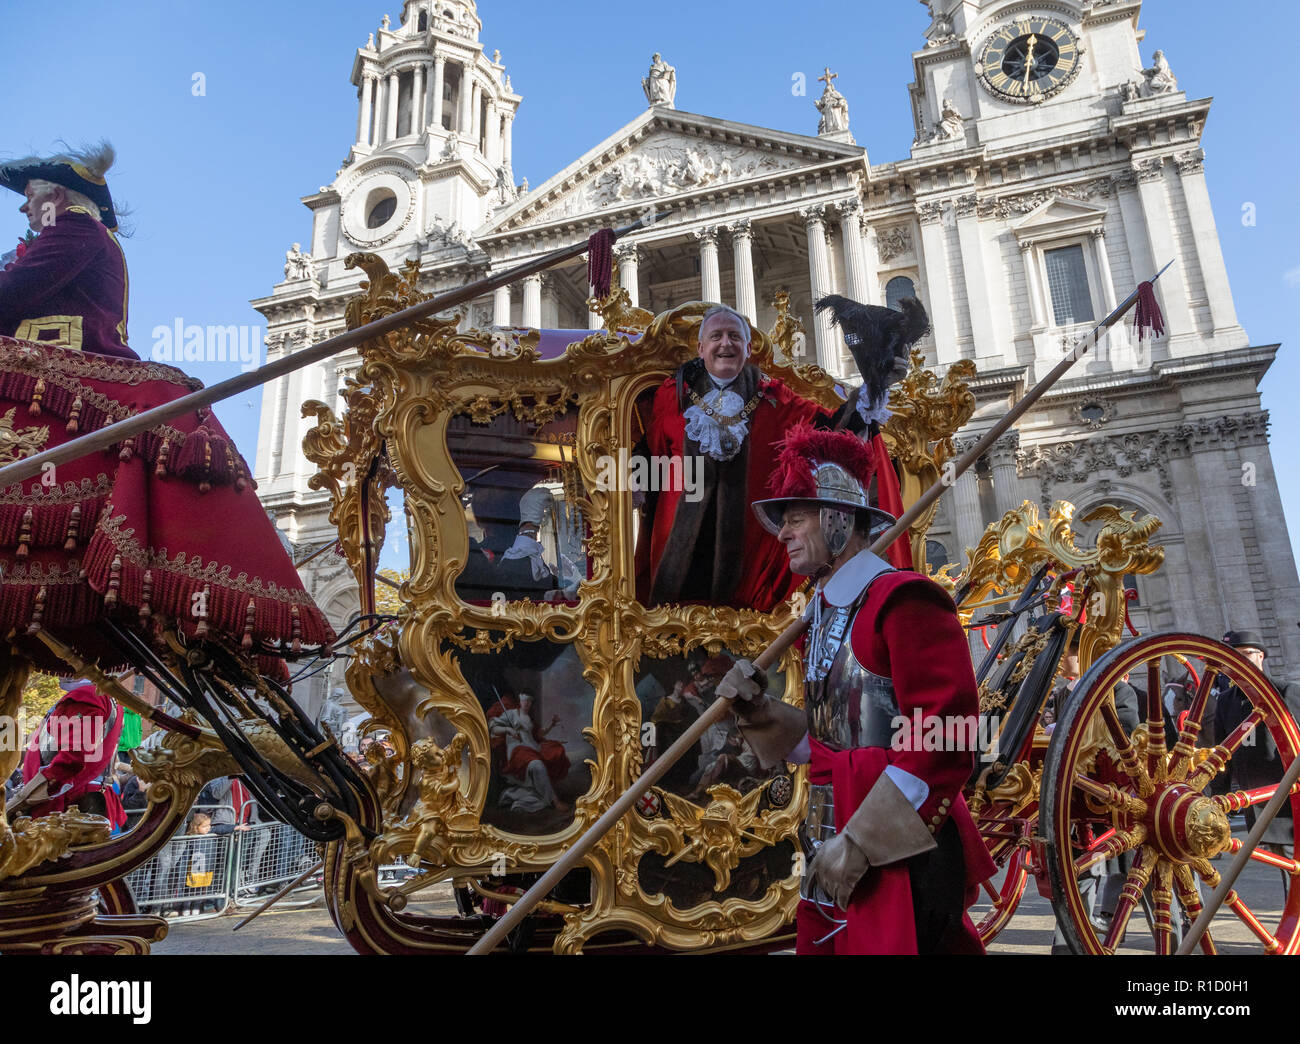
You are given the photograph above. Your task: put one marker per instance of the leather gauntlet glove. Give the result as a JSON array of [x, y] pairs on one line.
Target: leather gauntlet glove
[[885, 829]]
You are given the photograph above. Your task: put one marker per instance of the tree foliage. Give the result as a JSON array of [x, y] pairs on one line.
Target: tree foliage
[[386, 598], [40, 694]]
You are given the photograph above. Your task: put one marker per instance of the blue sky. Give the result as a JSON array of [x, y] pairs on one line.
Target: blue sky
[[214, 180]]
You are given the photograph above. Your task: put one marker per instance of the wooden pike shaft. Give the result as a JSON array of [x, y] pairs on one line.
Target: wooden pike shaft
[[114, 433], [573, 856]]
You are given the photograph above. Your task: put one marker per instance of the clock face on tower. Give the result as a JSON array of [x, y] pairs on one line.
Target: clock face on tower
[[1029, 59]]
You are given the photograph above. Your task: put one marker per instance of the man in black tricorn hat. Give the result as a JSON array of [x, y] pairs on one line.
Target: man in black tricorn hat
[[1256, 762], [67, 285]]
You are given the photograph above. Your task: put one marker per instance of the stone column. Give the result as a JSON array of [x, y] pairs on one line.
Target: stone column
[[417, 100], [935, 250], [1225, 569], [1032, 288], [742, 257], [466, 90], [501, 306], [967, 519], [1155, 209], [533, 301], [493, 147], [505, 140], [979, 299], [710, 276], [367, 102], [1103, 268], [476, 113], [628, 276], [819, 276], [439, 66], [1205, 234], [1007, 490], [390, 123], [870, 263], [855, 266]]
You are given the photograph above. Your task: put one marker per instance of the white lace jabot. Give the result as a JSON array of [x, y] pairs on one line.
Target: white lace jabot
[[704, 424]]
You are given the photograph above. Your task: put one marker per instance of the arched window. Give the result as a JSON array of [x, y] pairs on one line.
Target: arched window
[[936, 555], [898, 288], [423, 22]]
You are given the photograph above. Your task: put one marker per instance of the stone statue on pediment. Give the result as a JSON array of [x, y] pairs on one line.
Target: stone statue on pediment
[[297, 265], [660, 83], [834, 108], [1159, 79], [951, 124]]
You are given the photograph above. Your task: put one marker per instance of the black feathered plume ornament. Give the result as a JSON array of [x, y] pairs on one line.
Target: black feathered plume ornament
[[879, 340]]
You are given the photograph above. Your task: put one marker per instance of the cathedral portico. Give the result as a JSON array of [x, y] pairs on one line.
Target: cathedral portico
[[1053, 169]]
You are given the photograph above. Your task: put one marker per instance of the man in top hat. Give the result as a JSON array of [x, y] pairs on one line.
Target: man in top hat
[[720, 409], [895, 856], [1256, 762], [68, 285]]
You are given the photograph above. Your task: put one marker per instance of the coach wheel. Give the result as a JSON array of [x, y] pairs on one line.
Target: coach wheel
[[1141, 813]]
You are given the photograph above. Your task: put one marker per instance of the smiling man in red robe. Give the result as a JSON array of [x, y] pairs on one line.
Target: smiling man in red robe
[[704, 544]]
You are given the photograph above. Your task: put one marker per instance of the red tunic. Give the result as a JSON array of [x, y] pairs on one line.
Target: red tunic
[[80, 723], [69, 288], [766, 580], [907, 630]]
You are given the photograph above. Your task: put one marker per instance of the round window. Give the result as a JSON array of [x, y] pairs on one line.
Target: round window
[[380, 208]]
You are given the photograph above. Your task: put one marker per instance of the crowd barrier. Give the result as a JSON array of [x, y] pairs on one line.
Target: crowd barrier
[[203, 875]]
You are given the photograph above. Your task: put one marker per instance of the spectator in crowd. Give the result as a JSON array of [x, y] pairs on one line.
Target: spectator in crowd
[[201, 864], [1257, 762], [135, 796]]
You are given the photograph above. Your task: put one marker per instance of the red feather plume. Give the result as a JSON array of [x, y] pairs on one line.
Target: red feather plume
[[805, 444]]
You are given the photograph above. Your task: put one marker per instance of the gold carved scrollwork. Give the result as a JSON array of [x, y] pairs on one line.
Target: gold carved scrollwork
[[14, 445], [400, 403], [1015, 546], [926, 412], [716, 835], [786, 329], [619, 312]]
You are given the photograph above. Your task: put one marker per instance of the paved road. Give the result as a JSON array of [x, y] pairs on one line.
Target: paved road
[[310, 931]]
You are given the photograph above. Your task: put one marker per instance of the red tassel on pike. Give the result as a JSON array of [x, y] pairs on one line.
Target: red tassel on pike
[[1146, 315], [600, 262]]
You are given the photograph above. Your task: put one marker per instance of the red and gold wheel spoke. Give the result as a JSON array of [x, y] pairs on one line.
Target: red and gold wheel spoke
[[1185, 885], [1237, 905], [1260, 855], [1134, 884], [1182, 756]]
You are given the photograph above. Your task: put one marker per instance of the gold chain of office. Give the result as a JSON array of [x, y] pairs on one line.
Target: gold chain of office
[[727, 422]]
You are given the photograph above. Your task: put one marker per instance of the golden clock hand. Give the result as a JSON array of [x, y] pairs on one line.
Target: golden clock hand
[[1029, 59]]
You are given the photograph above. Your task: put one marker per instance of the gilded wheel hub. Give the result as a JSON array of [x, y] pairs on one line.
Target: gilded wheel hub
[[1186, 825]]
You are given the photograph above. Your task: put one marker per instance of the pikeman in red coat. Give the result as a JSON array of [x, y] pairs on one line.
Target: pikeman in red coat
[[69, 753], [894, 855], [719, 420], [67, 287]]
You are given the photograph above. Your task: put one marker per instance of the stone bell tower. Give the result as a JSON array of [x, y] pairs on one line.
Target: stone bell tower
[[432, 156], [428, 165]]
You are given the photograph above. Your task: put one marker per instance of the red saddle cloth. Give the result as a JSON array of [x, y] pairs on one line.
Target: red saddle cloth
[[166, 522]]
